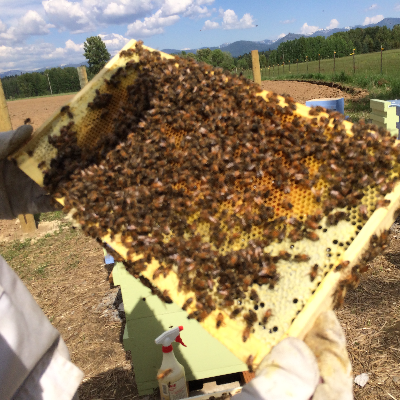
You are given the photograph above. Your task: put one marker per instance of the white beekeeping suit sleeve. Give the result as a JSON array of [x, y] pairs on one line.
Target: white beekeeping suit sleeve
[[34, 360]]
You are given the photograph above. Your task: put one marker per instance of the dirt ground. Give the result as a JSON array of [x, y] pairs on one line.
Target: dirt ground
[[64, 271], [38, 110]]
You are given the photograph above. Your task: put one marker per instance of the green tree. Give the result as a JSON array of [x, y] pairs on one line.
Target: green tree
[[96, 53], [263, 61], [204, 55]]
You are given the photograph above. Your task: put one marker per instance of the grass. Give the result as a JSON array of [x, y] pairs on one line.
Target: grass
[[365, 64], [37, 97], [49, 216], [26, 257]]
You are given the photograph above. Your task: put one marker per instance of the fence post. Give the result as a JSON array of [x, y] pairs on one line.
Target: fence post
[[256, 66], [5, 121], [354, 62], [319, 63], [297, 65], [289, 65], [381, 59], [51, 92], [27, 221], [307, 62], [334, 63], [83, 80]]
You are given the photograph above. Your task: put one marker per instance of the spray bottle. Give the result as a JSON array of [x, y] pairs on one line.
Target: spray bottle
[[171, 375]]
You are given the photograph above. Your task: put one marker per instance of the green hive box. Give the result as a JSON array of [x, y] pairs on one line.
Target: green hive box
[[384, 116], [147, 317]]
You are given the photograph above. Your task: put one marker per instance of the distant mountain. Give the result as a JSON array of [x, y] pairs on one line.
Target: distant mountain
[[243, 46], [19, 72], [10, 73]]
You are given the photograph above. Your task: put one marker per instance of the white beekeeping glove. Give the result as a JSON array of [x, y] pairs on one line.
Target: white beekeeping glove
[[318, 368], [19, 194]]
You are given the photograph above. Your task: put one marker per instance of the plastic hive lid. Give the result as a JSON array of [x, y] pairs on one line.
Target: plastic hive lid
[[296, 300]]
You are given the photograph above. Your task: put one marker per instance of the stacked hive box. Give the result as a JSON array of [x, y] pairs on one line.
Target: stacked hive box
[[147, 317], [386, 114]]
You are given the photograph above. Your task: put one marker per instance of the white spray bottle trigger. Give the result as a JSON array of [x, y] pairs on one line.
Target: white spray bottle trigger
[[167, 337]]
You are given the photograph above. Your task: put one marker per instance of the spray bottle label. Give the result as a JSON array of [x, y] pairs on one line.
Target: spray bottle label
[[174, 391], [178, 389]]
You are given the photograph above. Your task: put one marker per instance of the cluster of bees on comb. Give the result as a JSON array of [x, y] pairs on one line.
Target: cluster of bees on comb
[[196, 163]]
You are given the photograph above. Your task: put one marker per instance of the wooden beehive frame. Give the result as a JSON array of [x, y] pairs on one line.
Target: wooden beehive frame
[[322, 298]]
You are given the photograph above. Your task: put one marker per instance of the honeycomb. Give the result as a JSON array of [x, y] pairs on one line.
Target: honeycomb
[[286, 306]]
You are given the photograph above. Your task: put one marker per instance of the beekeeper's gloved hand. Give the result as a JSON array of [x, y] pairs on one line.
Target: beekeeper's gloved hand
[[318, 368], [19, 194]]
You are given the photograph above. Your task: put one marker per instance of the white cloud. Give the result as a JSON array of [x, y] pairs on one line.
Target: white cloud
[[333, 24], [288, 21], [3, 26], [231, 21], [373, 20], [171, 7], [34, 56], [120, 11], [33, 24], [68, 15], [282, 35], [30, 24], [153, 25], [372, 7], [210, 25], [308, 29], [114, 42]]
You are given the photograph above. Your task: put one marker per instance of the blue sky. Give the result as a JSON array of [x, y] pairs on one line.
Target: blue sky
[[47, 33]]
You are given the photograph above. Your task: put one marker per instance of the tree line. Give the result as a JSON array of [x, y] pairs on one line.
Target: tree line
[[61, 80], [360, 40], [57, 80]]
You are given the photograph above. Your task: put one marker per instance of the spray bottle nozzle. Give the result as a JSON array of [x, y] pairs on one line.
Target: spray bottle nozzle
[[170, 336], [179, 340]]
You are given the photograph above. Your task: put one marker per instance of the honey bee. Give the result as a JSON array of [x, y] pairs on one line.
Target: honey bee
[[363, 211], [27, 121], [187, 303], [164, 374], [64, 109], [312, 236], [382, 203], [249, 363], [246, 333], [317, 194], [314, 272], [283, 254], [267, 314], [41, 164], [220, 320], [309, 223], [236, 312], [254, 296], [343, 264], [250, 317], [301, 257], [286, 204]]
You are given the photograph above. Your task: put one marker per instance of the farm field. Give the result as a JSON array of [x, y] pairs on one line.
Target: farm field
[[64, 271], [366, 64]]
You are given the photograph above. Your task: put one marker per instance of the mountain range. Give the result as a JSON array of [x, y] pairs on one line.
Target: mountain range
[[241, 47], [19, 72]]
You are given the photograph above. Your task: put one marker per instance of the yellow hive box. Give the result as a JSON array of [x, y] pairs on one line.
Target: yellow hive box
[[296, 300]]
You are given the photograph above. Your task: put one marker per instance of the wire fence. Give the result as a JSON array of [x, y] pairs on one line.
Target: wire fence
[[387, 64]]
